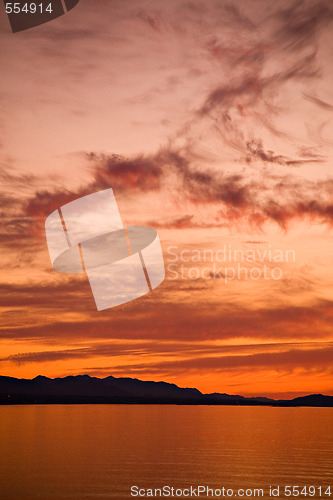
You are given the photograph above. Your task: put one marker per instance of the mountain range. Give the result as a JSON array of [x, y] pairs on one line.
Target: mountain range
[[83, 389]]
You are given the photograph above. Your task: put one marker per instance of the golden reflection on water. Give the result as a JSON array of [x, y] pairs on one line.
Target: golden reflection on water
[[100, 451]]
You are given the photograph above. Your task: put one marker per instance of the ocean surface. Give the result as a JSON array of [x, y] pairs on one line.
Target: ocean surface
[[101, 451]]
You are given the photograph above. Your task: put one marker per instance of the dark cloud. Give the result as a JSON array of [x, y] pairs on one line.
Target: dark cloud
[[173, 223], [255, 151], [234, 197], [319, 102], [306, 360], [276, 45], [301, 23], [11, 177], [48, 294], [241, 197], [186, 355], [160, 315], [141, 173]]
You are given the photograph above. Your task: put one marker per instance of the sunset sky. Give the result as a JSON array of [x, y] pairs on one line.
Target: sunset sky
[[212, 120]]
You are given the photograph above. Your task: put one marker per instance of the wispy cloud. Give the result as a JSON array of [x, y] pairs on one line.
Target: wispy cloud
[[207, 110]]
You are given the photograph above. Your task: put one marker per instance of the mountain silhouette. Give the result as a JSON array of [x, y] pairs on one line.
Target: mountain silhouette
[[83, 389]]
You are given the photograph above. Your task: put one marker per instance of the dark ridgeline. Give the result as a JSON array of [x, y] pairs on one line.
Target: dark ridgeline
[[83, 389]]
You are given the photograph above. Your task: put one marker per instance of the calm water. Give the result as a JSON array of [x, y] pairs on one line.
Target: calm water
[[101, 451]]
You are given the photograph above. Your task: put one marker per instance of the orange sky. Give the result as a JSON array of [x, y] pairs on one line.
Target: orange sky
[[212, 122]]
